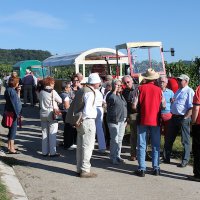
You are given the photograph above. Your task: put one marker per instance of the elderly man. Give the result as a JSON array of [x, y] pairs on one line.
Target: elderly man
[[28, 83], [165, 112], [181, 110], [148, 103], [128, 93], [84, 103]]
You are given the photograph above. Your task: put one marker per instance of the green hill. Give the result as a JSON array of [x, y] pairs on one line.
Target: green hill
[[12, 56]]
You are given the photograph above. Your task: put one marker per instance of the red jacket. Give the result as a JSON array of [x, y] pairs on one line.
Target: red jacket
[[149, 101]]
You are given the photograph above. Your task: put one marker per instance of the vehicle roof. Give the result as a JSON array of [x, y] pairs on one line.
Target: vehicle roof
[[27, 63], [138, 44], [92, 56]]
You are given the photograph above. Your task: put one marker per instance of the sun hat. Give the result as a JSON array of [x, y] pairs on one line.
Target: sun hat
[[94, 78], [184, 77], [150, 74]]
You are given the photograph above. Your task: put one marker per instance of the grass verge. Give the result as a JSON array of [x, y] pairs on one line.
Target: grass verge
[[3, 192]]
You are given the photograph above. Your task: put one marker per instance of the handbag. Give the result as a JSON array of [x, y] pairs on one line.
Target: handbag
[[7, 119], [57, 114]]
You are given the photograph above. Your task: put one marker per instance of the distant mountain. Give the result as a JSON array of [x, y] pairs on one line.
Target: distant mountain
[[12, 56]]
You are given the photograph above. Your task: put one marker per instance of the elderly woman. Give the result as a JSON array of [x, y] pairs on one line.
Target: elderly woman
[[13, 104], [49, 100], [116, 117]]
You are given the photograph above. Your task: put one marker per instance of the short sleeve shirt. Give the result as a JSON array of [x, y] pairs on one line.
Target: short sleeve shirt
[[196, 102], [183, 101]]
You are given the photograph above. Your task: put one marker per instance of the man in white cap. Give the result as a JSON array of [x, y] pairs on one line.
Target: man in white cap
[[84, 102], [181, 110], [149, 101]]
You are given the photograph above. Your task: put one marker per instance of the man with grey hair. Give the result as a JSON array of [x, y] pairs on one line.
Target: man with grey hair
[[128, 94], [84, 104], [165, 112], [181, 110]]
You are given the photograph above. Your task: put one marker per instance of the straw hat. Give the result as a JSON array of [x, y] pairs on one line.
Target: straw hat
[[150, 74]]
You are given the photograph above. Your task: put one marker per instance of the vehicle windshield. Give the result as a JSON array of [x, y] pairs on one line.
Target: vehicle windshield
[[37, 72], [144, 58]]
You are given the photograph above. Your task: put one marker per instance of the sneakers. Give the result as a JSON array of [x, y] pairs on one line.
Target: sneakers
[[101, 151], [121, 160], [55, 155], [88, 175], [74, 146], [156, 172], [182, 165], [140, 173], [115, 162], [166, 161]]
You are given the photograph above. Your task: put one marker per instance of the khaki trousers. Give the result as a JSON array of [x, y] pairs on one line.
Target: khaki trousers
[[85, 144]]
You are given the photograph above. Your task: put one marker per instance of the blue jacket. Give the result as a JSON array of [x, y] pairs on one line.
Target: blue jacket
[[13, 102]]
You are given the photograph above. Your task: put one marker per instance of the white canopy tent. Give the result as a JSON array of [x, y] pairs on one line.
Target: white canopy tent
[[89, 57]]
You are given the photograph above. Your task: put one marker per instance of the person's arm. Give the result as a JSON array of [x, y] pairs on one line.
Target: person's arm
[[88, 100], [135, 100], [66, 103], [190, 105], [57, 98], [13, 98], [195, 113], [163, 102], [188, 113]]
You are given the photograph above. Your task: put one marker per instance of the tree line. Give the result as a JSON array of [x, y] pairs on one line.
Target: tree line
[[9, 57], [12, 56]]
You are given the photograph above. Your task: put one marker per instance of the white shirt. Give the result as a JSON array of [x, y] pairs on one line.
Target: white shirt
[[89, 110], [99, 98]]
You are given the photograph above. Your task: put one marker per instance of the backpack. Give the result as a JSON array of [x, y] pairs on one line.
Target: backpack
[[75, 111]]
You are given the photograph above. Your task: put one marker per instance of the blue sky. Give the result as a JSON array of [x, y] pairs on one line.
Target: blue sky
[[67, 26]]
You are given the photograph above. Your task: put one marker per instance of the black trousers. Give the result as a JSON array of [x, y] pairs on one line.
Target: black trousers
[[196, 149], [69, 134], [106, 131]]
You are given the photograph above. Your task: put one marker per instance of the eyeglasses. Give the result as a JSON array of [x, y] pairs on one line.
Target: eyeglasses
[[76, 80], [127, 82], [179, 80]]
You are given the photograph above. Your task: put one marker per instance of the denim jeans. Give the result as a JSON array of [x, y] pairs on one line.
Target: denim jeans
[[154, 132], [116, 137], [176, 124], [12, 130]]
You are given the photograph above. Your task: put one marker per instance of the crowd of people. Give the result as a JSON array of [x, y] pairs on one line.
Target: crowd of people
[[103, 108]]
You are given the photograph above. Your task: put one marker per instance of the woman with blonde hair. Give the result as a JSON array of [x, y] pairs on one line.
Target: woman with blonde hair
[[49, 100]]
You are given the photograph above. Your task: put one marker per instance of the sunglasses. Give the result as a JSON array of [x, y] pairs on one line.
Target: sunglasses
[[76, 80]]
